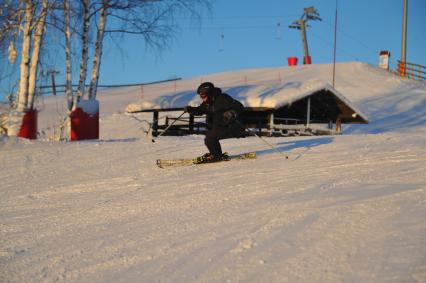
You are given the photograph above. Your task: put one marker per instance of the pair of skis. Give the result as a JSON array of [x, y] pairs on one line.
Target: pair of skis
[[164, 163]]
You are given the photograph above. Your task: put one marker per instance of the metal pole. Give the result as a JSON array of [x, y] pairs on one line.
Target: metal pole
[[171, 124], [52, 75], [263, 140], [308, 114], [304, 39], [335, 42], [404, 36]]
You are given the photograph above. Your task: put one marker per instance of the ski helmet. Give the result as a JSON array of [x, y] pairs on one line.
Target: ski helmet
[[206, 88]]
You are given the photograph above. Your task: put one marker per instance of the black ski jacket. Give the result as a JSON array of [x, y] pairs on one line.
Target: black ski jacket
[[214, 108]]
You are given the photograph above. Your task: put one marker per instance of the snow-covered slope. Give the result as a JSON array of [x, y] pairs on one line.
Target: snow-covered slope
[[341, 208]]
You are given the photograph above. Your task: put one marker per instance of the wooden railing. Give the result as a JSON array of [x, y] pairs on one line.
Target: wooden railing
[[413, 71]]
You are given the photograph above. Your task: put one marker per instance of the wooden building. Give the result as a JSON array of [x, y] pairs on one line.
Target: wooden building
[[309, 108]]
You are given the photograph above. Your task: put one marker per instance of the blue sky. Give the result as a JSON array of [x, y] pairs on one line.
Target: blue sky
[[252, 39], [239, 34]]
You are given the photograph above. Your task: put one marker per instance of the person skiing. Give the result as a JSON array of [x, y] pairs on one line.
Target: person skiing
[[222, 117]]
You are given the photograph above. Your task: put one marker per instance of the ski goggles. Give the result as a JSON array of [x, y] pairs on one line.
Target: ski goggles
[[203, 94]]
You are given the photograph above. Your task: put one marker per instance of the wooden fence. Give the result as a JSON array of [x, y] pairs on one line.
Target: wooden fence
[[413, 71]]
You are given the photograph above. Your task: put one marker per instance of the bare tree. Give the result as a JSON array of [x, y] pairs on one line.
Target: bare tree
[[98, 50], [72, 20], [10, 18], [68, 56], [22, 99], [23, 24], [85, 50], [37, 42], [154, 20], [26, 18]]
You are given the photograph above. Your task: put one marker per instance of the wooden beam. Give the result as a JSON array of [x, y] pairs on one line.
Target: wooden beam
[[155, 124], [191, 124], [270, 122], [338, 124], [308, 113]]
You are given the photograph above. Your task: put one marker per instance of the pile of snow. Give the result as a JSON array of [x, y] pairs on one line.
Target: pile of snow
[[341, 208]]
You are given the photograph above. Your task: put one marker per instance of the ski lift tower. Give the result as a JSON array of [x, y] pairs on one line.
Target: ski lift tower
[[309, 13]]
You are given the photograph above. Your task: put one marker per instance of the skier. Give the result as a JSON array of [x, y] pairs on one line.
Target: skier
[[222, 117]]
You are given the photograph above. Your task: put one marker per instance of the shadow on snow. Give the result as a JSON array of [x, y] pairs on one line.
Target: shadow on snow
[[307, 144]]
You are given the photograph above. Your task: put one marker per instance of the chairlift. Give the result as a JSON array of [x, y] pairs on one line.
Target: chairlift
[[221, 42], [279, 31]]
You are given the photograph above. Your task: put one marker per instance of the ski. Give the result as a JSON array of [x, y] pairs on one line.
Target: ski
[[162, 163]]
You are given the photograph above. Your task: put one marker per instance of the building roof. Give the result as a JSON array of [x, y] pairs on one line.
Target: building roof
[[326, 102]]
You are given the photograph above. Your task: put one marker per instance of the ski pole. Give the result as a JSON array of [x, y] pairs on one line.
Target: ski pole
[[165, 130], [263, 140]]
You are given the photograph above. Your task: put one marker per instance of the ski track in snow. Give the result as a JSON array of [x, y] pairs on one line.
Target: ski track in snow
[[343, 208]]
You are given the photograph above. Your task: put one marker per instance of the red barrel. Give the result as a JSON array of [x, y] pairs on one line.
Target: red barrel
[[84, 125], [28, 128], [292, 61], [307, 60]]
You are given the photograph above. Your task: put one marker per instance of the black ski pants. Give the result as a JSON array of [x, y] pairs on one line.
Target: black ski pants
[[219, 133]]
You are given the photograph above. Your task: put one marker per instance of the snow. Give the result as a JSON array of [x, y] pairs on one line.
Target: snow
[[341, 208], [15, 121]]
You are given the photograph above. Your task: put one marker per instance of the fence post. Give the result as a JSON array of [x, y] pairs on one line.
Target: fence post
[[410, 69], [401, 68], [419, 71], [155, 124]]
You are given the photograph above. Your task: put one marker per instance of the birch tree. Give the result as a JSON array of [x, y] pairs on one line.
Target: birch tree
[[84, 51], [68, 56], [151, 19], [72, 19], [31, 27], [98, 50], [10, 13], [22, 99], [37, 42]]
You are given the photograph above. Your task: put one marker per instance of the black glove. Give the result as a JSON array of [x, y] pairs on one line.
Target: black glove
[[189, 109], [229, 116]]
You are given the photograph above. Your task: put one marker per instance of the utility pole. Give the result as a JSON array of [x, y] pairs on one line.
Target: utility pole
[[304, 40], [334, 47], [52, 74], [404, 40], [309, 13]]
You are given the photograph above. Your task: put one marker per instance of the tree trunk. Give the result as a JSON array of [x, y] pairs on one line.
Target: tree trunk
[[98, 51], [84, 52], [68, 80], [37, 41], [22, 100]]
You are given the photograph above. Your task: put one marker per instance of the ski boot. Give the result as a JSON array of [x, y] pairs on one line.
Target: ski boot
[[210, 158]]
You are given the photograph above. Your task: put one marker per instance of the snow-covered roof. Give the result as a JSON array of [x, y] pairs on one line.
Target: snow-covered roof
[[264, 94]]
